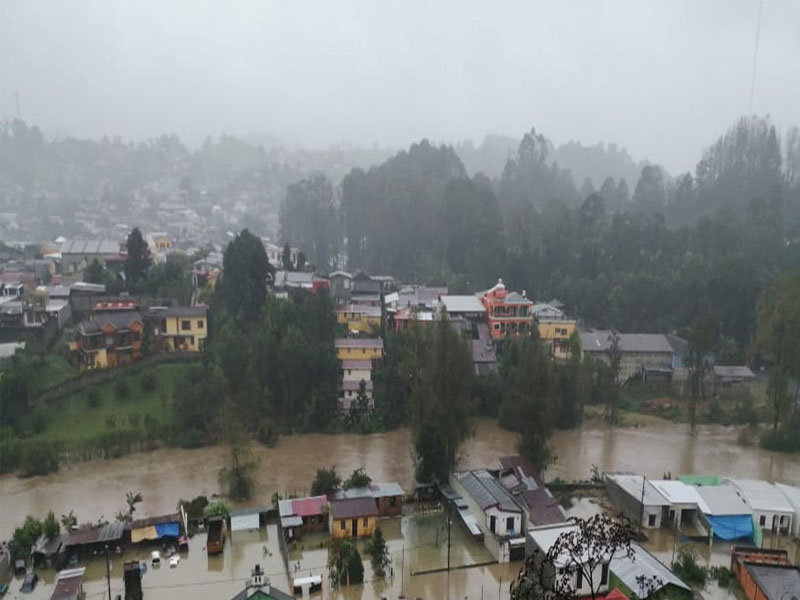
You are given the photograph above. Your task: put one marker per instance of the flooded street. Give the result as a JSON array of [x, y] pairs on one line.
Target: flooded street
[[97, 488]]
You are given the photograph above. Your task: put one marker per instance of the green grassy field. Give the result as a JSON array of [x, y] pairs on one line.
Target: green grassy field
[[74, 417], [54, 370]]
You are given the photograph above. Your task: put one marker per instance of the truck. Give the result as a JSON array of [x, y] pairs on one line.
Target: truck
[[216, 535]]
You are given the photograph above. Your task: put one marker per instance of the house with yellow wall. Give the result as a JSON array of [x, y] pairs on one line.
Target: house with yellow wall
[[359, 348], [353, 517], [179, 328], [556, 334], [109, 339], [554, 327], [359, 319]]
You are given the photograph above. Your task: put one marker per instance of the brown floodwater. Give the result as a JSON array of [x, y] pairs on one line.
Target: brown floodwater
[[97, 488]]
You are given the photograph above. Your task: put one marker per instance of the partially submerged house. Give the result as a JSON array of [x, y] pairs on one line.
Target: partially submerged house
[[765, 574], [771, 510], [299, 516], [501, 516], [154, 529], [353, 517], [540, 541], [91, 540], [645, 576], [69, 584], [792, 494], [637, 498], [724, 513], [684, 501], [388, 497]]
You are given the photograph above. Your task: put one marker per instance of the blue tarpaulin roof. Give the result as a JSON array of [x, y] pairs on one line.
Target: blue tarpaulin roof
[[731, 527], [168, 529]]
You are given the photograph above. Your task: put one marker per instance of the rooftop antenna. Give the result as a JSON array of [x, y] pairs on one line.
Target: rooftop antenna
[[755, 57]]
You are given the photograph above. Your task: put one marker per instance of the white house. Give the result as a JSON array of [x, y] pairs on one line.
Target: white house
[[357, 370], [541, 539], [637, 498], [683, 500], [502, 516], [771, 509], [792, 494]]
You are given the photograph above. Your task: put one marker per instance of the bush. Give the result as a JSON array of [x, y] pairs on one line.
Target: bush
[[121, 388], [267, 432], [38, 421], [39, 459], [687, 568], [783, 439], [133, 420], [746, 413], [92, 398], [149, 382], [190, 438]]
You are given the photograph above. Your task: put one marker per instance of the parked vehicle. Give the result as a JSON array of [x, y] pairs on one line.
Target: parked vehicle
[[155, 558], [215, 542], [29, 583]]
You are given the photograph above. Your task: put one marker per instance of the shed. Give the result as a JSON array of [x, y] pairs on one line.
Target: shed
[[155, 528]]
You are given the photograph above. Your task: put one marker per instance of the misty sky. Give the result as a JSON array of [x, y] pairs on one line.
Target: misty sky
[[663, 78]]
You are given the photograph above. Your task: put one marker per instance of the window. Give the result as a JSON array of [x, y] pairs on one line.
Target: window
[[510, 524], [342, 526], [651, 520], [186, 325], [604, 574], [200, 324], [762, 520], [366, 521], [496, 326]]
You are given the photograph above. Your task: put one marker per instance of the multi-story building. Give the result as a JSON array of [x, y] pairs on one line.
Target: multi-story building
[[555, 328], [508, 313], [359, 348], [361, 319], [180, 328], [107, 340]]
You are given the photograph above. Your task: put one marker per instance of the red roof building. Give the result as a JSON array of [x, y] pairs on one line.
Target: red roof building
[[509, 313]]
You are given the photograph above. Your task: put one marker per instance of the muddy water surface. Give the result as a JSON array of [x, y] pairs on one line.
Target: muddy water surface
[[97, 488]]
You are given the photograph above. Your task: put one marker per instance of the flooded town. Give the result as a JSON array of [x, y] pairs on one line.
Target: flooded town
[[399, 301]]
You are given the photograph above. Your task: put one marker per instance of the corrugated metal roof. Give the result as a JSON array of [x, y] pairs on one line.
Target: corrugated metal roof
[[463, 304], [632, 485], [598, 341], [778, 582], [90, 247], [733, 372], [722, 500], [791, 493], [68, 584], [487, 491], [761, 495], [352, 508], [375, 490], [543, 508], [644, 565], [359, 343], [310, 506], [677, 492], [91, 535]]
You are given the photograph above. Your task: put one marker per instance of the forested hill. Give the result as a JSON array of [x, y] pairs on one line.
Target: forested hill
[[617, 258]]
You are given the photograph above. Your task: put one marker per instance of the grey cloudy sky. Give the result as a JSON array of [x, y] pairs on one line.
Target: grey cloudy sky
[[663, 78]]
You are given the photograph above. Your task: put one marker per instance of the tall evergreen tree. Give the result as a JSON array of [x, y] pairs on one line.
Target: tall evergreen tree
[[138, 261], [245, 269]]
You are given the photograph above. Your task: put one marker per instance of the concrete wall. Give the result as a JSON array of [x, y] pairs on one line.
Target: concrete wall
[[501, 517], [343, 528]]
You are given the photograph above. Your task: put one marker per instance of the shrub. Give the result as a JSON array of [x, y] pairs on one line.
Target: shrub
[[267, 432], [121, 388], [687, 568], [133, 420], [38, 421], [92, 398], [149, 382], [746, 413], [783, 439], [39, 459]]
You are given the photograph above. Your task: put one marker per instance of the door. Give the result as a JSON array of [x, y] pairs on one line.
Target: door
[[354, 525], [492, 523]]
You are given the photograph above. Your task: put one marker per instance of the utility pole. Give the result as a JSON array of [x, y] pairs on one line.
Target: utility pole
[[641, 516], [403, 572], [449, 521], [108, 573]]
